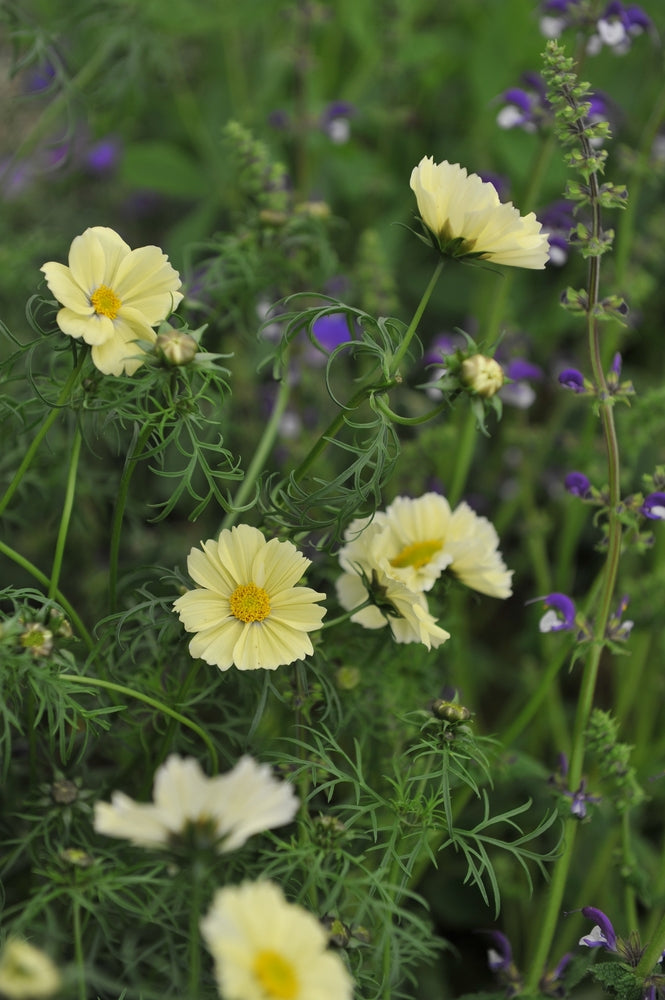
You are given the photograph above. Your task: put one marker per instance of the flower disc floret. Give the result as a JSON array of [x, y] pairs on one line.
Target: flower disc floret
[[113, 296], [266, 948], [466, 217], [247, 610]]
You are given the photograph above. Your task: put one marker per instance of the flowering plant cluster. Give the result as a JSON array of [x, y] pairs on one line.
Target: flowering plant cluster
[[331, 570]]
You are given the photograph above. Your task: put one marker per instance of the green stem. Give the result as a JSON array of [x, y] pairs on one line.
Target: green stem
[[41, 434], [604, 609], [132, 460], [196, 883], [58, 596], [78, 949], [66, 514], [653, 950], [399, 354], [154, 703], [261, 453], [463, 458]]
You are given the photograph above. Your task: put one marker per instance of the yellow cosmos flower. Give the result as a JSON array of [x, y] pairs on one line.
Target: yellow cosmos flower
[[466, 216], [26, 973], [112, 296], [414, 539], [268, 949], [473, 543], [225, 811], [248, 610], [364, 560]]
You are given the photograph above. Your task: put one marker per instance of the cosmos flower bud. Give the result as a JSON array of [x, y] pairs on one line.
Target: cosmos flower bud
[[175, 347], [482, 375]]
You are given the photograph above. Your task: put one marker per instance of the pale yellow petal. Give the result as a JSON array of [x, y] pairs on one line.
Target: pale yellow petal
[[94, 329], [66, 290]]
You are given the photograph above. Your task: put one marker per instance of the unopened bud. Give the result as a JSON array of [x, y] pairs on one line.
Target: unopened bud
[[450, 711], [482, 375], [176, 347]]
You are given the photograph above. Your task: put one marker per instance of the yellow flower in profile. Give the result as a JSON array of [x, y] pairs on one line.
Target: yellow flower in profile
[[365, 561], [266, 948], [466, 216], [112, 296], [473, 543], [224, 811], [26, 973], [247, 609]]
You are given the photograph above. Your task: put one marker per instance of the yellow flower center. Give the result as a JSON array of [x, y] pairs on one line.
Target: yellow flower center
[[249, 603], [105, 302], [276, 976], [416, 555]]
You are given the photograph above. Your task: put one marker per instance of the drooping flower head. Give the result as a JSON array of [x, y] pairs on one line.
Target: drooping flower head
[[225, 811], [266, 948], [113, 296], [366, 566], [247, 610], [466, 217]]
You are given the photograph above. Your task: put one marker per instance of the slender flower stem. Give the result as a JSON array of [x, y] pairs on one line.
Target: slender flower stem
[[132, 460], [653, 950], [606, 592], [62, 399], [400, 353], [58, 596], [78, 948], [153, 702], [261, 453], [463, 458], [66, 514]]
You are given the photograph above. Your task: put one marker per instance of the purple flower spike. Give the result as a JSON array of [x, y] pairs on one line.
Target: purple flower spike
[[616, 365], [602, 935], [654, 507], [577, 484], [571, 378], [560, 616]]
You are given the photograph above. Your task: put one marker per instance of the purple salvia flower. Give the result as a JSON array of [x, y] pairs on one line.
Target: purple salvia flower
[[519, 369], [502, 957], [617, 629], [103, 156], [577, 484], [331, 330], [334, 121], [573, 379], [602, 935], [654, 507], [616, 365], [578, 806], [560, 616]]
